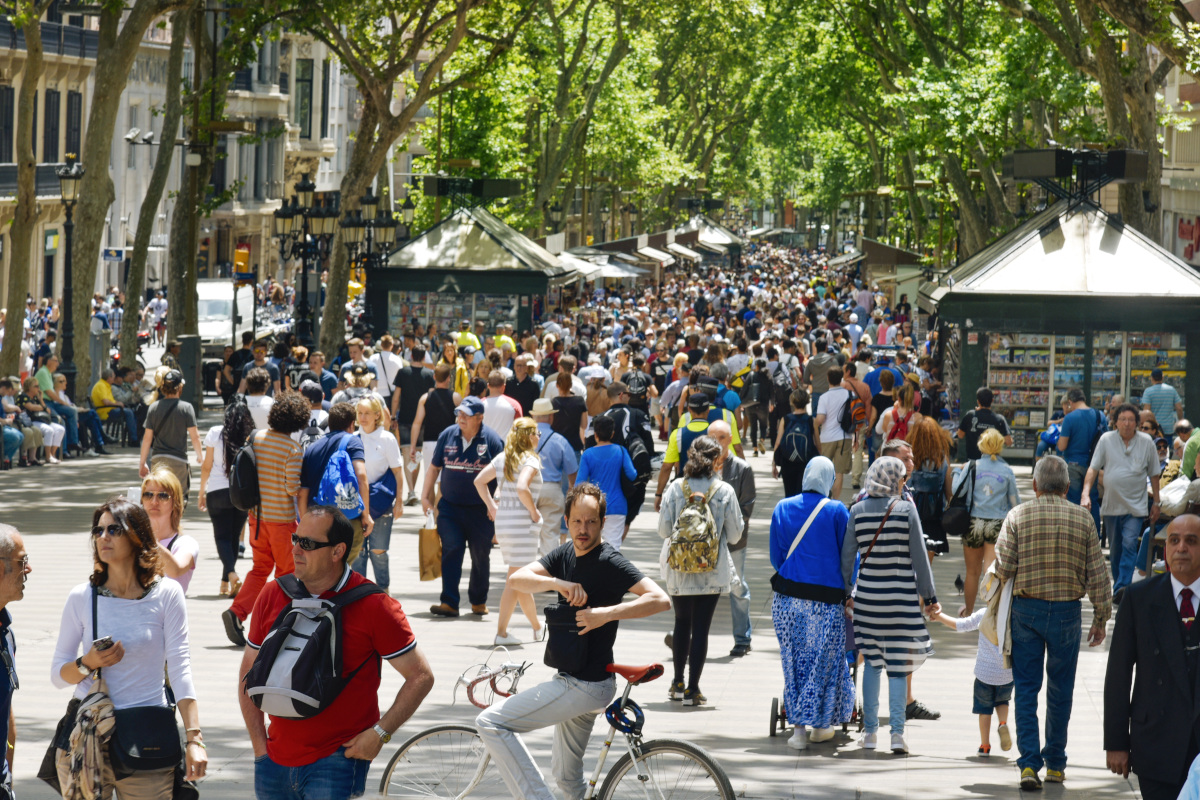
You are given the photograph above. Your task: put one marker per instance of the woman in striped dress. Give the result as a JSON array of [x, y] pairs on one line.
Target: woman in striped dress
[[518, 475], [893, 576]]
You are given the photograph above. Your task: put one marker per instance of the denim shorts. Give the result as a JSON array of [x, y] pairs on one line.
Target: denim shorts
[[989, 697]]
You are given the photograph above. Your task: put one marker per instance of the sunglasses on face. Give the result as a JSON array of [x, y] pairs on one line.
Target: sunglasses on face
[[113, 531], [160, 496], [1147, 427], [308, 545]]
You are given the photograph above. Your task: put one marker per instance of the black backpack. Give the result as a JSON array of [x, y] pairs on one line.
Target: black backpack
[[243, 478], [638, 384], [547, 368], [782, 385], [297, 672], [799, 443]]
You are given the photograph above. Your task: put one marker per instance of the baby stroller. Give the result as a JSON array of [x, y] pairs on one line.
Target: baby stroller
[[779, 720]]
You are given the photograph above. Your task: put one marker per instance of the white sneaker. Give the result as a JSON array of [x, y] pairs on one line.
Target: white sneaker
[[507, 640], [799, 740], [898, 743], [868, 741], [821, 734]]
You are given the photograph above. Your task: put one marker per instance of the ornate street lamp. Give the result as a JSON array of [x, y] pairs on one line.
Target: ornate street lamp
[[69, 176]]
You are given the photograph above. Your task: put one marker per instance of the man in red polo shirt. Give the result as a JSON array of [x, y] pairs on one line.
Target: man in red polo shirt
[[326, 757]]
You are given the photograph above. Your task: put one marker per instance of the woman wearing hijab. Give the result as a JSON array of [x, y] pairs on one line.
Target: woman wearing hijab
[[893, 577], [807, 532]]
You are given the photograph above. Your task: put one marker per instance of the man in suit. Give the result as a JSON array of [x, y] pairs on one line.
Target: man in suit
[[1154, 730]]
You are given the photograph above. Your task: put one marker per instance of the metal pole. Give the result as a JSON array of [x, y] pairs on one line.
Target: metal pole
[[303, 327], [67, 368]]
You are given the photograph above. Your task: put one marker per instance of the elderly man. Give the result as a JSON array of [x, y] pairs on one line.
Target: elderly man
[[58, 404], [1150, 722], [558, 462], [738, 474], [1049, 549], [1128, 458], [461, 453], [522, 386], [13, 575]]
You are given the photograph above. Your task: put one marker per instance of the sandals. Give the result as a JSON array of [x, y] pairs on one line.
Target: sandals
[[224, 592], [235, 586]]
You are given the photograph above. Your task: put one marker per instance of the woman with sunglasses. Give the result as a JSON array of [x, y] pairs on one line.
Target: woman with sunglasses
[[162, 497], [146, 619]]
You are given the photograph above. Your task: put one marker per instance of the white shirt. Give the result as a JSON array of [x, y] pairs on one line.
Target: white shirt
[[260, 407], [184, 545], [1177, 587], [551, 389], [386, 366], [382, 453], [499, 415], [217, 479], [830, 405]]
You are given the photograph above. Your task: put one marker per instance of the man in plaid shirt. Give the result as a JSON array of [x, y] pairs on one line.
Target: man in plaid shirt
[[1049, 548]]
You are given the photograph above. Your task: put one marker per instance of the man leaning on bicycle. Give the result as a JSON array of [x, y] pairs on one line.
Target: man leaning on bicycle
[[593, 579]]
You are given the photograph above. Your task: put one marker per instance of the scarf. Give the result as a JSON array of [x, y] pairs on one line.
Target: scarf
[[884, 477]]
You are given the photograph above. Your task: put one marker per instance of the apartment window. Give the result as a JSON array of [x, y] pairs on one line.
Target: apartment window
[[74, 122], [268, 62], [7, 118], [50, 131], [131, 159], [325, 99], [304, 97]]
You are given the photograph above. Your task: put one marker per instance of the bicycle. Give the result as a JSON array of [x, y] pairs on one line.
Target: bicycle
[[491, 681], [450, 761]]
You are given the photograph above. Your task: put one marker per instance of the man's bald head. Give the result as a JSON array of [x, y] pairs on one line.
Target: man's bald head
[[721, 431]]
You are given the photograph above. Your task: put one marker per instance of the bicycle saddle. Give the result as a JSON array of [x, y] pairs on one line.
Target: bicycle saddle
[[636, 675]]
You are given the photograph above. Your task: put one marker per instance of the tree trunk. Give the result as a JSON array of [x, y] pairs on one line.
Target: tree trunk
[[25, 220], [991, 184], [971, 222], [158, 181]]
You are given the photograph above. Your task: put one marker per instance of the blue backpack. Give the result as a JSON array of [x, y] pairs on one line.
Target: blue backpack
[[339, 484]]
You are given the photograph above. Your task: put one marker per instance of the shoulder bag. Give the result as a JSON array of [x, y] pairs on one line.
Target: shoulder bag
[[878, 530], [956, 519]]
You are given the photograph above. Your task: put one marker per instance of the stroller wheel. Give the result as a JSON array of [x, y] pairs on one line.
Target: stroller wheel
[[778, 716]]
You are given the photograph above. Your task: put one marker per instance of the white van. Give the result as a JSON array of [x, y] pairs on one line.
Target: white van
[[215, 315]]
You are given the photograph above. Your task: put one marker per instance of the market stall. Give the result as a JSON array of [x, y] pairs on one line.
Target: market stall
[[471, 265], [1070, 299]]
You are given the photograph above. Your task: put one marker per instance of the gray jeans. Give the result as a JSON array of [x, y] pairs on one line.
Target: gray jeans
[[567, 703]]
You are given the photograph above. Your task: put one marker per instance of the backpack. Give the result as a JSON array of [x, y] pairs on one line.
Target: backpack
[[781, 385], [298, 673], [638, 384], [853, 414], [243, 478], [547, 368], [309, 435], [339, 484], [799, 443], [928, 490], [900, 429], [741, 378], [695, 543]]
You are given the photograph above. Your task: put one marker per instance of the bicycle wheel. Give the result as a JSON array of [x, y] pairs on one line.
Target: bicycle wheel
[[677, 770], [445, 761]]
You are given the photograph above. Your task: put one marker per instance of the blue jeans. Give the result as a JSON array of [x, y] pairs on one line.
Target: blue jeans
[[897, 699], [130, 422], [380, 538], [461, 527], [1143, 552], [13, 439], [739, 598], [1045, 635], [70, 418], [1123, 531], [90, 420], [815, 398], [1075, 491], [334, 777]]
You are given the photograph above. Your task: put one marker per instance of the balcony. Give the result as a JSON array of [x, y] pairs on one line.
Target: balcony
[[57, 39], [46, 181]]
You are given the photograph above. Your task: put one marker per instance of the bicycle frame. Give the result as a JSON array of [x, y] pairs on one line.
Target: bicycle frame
[[633, 743]]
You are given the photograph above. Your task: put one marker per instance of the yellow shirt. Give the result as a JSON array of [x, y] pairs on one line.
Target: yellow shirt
[[102, 393], [464, 338], [505, 339]]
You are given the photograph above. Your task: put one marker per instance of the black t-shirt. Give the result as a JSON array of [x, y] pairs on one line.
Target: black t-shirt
[[975, 422], [413, 382], [237, 360], [569, 413], [660, 371], [606, 576], [587, 331], [881, 403], [524, 392]]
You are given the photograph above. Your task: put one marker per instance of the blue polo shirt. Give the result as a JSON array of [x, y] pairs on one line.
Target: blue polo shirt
[[461, 461], [558, 459], [603, 465], [1080, 428], [872, 378]]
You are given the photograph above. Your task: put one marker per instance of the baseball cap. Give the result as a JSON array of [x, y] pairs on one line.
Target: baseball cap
[[698, 401], [359, 369], [173, 377], [471, 406]]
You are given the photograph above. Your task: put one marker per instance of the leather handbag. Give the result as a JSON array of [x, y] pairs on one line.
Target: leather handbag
[[956, 519], [143, 737]]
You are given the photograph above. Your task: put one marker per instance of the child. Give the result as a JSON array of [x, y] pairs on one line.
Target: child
[[993, 683]]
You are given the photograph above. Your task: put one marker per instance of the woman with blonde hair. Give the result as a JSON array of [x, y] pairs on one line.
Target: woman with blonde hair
[[384, 466], [517, 473], [990, 496], [162, 497], [902, 417]]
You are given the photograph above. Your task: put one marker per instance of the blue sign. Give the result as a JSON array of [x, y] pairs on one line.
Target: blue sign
[[114, 254], [248, 277]]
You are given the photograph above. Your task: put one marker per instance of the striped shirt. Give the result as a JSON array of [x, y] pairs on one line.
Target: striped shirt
[[279, 459], [1051, 547]]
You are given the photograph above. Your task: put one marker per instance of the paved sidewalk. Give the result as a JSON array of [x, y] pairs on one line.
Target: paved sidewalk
[[53, 506]]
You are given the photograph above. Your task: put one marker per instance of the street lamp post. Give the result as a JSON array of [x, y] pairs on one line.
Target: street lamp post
[[69, 176], [304, 230]]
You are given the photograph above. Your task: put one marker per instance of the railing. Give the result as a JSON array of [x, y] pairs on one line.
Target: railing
[[57, 39], [46, 181]]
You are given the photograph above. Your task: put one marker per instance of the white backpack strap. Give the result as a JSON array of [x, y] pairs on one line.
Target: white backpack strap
[[804, 529]]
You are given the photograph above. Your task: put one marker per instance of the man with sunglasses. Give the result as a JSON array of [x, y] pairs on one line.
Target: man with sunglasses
[[326, 756], [13, 575]]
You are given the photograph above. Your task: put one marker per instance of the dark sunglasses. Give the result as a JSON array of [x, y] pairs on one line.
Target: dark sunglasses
[[162, 496], [113, 531], [1146, 428], [308, 545]]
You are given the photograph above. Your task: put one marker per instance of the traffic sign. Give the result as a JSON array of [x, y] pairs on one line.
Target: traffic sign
[[248, 277], [114, 254]]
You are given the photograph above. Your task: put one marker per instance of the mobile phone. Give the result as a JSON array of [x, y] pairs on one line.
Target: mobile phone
[[103, 643]]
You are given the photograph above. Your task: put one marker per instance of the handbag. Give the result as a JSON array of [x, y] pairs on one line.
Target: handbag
[[41, 416], [566, 650], [144, 737], [956, 519], [429, 550]]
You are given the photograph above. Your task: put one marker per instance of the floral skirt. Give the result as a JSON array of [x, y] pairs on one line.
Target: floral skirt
[[817, 688]]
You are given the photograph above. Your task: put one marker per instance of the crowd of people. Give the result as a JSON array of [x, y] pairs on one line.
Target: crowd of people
[[545, 445]]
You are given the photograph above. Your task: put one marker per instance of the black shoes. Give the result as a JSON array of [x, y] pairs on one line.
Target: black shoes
[[233, 627], [739, 650]]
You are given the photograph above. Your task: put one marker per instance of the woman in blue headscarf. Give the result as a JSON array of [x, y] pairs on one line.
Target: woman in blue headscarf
[[806, 544]]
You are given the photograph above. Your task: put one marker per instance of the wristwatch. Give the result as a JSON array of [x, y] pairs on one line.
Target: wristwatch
[[84, 671], [384, 736]]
